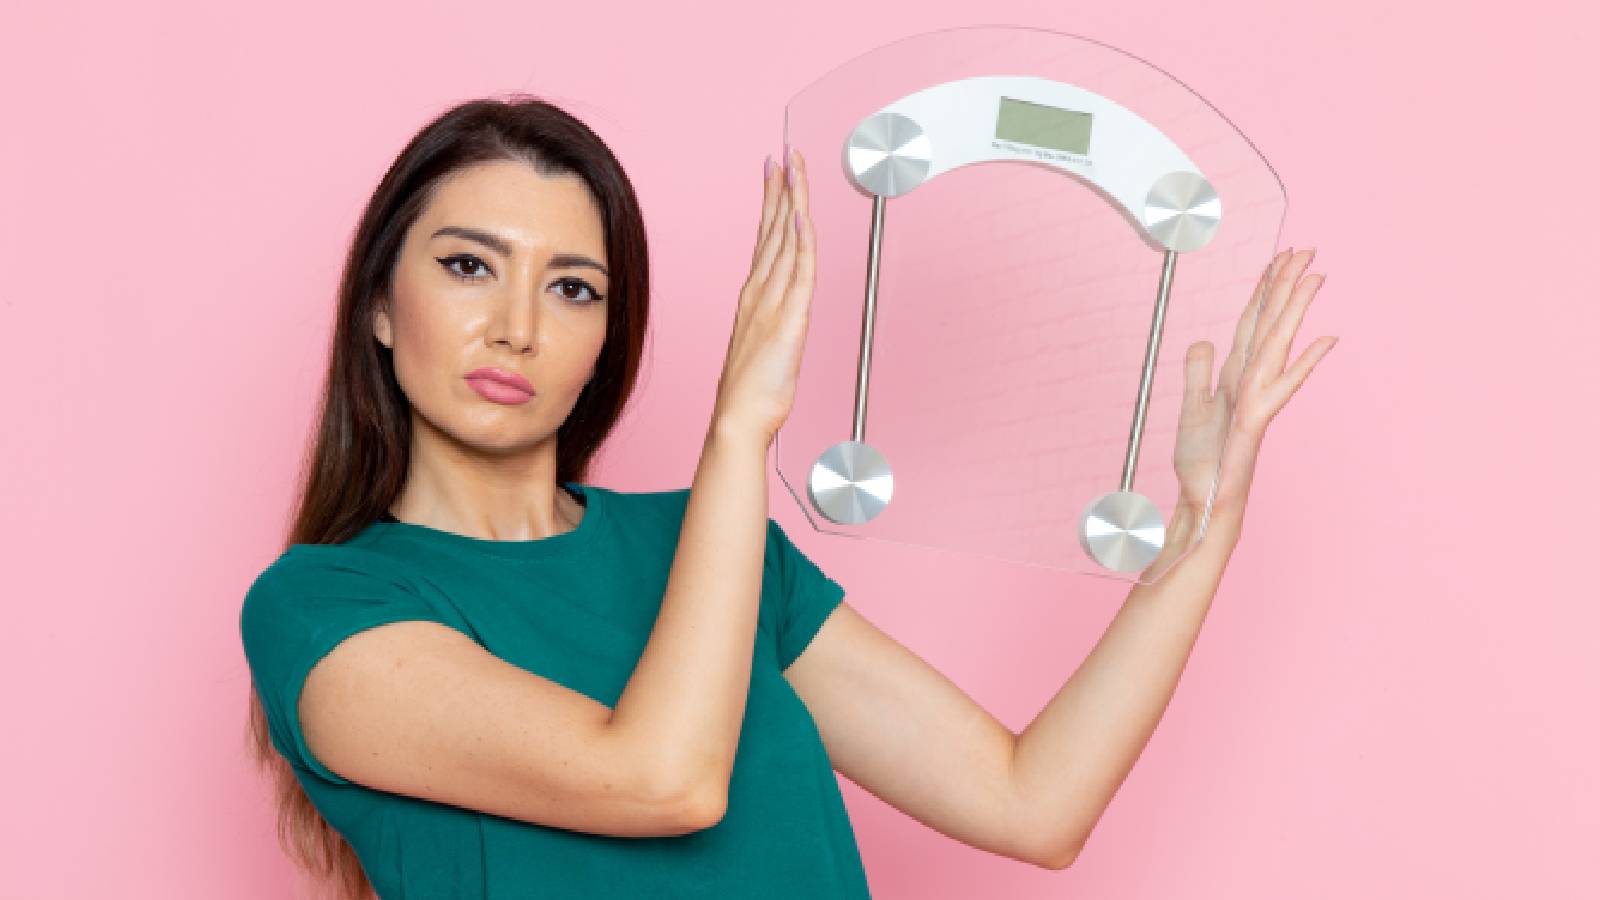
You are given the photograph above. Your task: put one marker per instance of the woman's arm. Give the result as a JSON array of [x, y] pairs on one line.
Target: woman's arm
[[903, 731], [1072, 758], [1076, 753], [687, 693]]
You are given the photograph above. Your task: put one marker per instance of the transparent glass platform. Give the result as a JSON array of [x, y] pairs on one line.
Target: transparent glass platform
[[1034, 191]]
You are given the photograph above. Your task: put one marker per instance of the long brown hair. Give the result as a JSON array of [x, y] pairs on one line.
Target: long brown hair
[[355, 466]]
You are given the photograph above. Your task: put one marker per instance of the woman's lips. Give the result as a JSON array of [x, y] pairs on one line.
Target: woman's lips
[[497, 391], [502, 376]]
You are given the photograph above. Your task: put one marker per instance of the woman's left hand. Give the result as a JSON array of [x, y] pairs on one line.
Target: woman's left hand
[[1251, 388]]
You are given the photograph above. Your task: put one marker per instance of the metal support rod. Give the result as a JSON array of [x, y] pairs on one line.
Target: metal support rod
[[869, 316], [1168, 264]]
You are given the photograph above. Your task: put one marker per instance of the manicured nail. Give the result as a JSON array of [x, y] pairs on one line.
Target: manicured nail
[[797, 221], [769, 166], [790, 170]]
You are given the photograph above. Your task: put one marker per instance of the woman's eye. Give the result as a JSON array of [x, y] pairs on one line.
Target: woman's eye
[[594, 296], [467, 267], [472, 264]]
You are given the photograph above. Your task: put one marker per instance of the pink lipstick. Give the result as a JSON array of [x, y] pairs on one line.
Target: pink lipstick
[[500, 386]]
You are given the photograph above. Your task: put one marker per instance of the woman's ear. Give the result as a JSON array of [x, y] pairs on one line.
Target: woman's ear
[[382, 327]]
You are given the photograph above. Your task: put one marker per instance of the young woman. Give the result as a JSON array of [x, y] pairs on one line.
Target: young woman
[[476, 675]]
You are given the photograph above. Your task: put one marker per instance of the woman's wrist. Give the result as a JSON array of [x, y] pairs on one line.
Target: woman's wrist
[[725, 433]]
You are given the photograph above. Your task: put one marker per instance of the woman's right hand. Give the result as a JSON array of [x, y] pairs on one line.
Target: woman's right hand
[[756, 390]]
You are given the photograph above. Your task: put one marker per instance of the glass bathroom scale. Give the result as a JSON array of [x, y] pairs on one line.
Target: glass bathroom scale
[[1020, 233]]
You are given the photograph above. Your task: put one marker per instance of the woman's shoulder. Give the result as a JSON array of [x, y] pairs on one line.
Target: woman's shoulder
[[304, 557], [309, 587], [319, 567]]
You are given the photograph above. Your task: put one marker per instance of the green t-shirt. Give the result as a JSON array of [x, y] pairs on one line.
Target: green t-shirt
[[576, 608]]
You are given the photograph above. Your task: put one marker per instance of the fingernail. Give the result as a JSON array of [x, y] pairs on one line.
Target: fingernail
[[788, 155], [797, 221], [769, 165], [790, 170]]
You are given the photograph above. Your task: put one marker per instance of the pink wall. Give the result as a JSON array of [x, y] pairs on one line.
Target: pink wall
[[1394, 694]]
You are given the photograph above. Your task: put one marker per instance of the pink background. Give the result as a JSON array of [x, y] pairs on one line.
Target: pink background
[[1393, 696]]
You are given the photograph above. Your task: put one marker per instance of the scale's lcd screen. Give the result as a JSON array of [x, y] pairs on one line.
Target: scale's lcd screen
[[1043, 126]]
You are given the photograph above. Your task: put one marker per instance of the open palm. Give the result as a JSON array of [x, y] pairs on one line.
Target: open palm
[[1225, 427]]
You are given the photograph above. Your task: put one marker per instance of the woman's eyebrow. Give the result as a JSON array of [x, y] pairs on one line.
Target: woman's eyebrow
[[500, 246]]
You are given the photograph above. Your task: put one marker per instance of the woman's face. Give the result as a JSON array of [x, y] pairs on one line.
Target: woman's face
[[504, 269]]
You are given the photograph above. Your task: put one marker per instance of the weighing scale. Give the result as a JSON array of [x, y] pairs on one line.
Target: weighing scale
[[1019, 234]]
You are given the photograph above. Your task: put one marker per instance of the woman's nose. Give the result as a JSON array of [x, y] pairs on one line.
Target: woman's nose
[[518, 317]]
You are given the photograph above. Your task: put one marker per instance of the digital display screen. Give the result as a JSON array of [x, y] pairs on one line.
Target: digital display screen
[[1043, 126]]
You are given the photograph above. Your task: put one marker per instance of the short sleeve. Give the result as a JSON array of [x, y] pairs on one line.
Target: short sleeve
[[300, 608], [807, 596]]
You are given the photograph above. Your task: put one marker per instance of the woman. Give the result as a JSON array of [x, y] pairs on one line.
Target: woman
[[476, 675]]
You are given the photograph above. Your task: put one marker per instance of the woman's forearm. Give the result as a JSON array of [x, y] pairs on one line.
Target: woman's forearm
[[1070, 761], [684, 703]]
